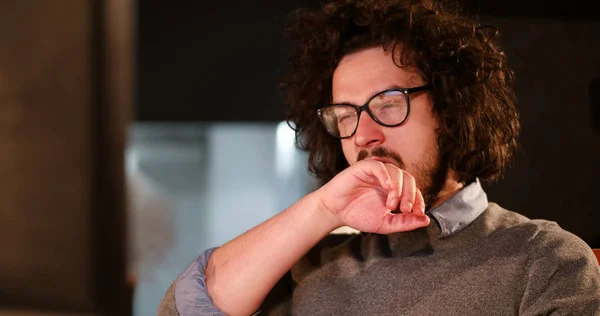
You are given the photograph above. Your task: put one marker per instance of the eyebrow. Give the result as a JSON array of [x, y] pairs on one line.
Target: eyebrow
[[372, 94]]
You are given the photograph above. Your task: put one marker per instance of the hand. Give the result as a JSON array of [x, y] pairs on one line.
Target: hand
[[364, 195]]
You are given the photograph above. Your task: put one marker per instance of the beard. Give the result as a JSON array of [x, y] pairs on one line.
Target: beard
[[430, 179]]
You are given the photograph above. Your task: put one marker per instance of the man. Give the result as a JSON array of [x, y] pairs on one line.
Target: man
[[403, 106]]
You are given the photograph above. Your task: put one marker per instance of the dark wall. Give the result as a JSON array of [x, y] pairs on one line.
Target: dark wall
[[221, 62], [556, 174], [210, 60]]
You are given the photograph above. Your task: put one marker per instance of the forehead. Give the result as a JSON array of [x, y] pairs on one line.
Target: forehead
[[364, 73]]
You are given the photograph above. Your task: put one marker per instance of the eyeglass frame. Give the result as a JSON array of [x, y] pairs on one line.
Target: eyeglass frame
[[365, 107]]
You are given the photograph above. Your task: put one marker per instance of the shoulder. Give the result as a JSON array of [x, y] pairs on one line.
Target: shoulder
[[559, 272], [553, 244], [540, 238]]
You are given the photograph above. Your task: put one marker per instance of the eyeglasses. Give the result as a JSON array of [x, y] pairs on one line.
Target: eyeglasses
[[388, 108]]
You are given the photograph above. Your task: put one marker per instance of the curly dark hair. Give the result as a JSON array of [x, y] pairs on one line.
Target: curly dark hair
[[472, 92]]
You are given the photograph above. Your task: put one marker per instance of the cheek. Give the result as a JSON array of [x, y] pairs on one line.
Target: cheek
[[426, 150], [423, 144], [413, 143]]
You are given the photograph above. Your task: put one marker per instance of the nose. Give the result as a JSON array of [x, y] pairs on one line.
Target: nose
[[368, 133]]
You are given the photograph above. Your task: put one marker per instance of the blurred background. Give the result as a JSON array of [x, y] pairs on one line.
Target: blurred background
[[136, 134]]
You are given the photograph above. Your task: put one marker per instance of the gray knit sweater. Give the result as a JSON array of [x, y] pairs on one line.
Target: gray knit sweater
[[500, 263]]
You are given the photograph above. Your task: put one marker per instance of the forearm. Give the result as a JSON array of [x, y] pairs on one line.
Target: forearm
[[241, 273]]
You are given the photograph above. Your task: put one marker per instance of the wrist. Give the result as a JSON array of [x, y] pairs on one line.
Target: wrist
[[326, 218]]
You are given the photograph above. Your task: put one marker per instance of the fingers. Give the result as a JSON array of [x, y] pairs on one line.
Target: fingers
[[380, 173], [396, 184], [419, 206], [409, 190], [394, 223], [404, 194]]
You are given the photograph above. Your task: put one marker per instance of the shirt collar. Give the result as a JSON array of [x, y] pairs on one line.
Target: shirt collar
[[460, 210]]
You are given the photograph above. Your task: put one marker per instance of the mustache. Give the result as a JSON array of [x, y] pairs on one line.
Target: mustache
[[381, 152]]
